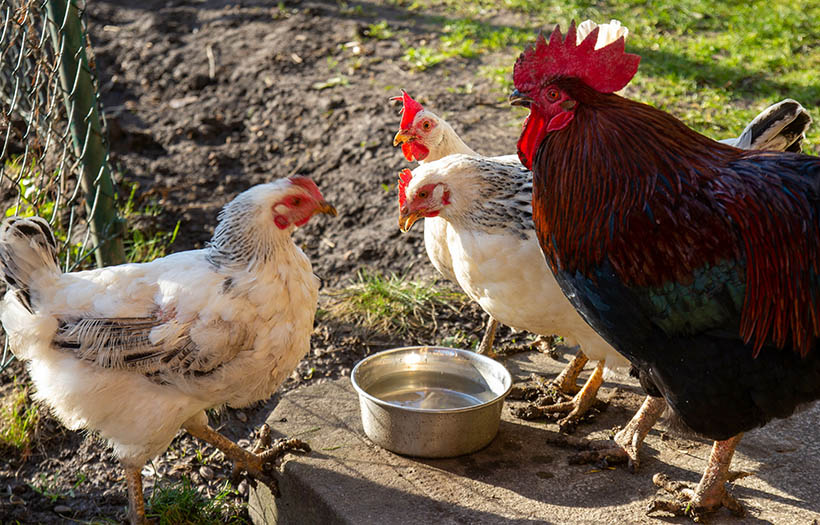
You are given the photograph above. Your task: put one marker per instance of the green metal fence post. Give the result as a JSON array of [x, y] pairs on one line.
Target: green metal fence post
[[86, 130]]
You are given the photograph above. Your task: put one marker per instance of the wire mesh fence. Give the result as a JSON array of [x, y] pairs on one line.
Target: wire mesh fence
[[54, 153]]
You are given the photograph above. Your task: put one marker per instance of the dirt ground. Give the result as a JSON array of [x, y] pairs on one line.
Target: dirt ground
[[205, 98]]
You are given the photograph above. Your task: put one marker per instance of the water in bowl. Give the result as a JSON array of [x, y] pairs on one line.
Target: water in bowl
[[430, 390]]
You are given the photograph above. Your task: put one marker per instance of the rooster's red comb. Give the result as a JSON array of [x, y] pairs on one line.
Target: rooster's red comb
[[409, 109], [404, 179], [605, 70]]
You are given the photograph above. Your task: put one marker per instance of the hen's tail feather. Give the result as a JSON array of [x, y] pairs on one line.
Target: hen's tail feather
[[27, 246], [780, 127]]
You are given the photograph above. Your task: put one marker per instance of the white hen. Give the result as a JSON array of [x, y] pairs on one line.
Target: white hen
[[136, 352]]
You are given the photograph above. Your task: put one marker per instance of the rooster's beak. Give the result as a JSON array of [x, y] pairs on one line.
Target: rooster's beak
[[326, 208], [407, 219], [401, 137], [519, 99]]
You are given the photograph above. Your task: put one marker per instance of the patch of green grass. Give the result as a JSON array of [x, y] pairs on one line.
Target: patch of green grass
[[379, 31], [172, 504], [140, 245], [18, 419], [465, 38], [390, 303], [460, 339], [49, 486]]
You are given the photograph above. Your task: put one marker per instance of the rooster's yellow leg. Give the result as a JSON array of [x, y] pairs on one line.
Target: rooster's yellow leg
[[485, 347], [710, 494], [136, 501]]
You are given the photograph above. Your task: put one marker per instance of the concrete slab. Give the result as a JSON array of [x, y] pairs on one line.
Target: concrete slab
[[518, 478]]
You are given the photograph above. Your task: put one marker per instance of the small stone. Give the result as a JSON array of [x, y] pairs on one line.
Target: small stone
[[62, 509], [243, 487], [206, 472], [242, 417]]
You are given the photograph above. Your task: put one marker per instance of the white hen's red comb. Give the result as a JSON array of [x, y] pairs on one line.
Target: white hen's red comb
[[405, 176], [410, 108]]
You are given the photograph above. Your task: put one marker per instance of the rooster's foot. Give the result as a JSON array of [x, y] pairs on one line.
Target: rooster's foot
[[692, 502], [547, 345], [710, 494], [603, 452]]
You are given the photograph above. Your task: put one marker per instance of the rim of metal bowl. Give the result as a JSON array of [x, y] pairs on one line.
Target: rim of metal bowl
[[471, 354]]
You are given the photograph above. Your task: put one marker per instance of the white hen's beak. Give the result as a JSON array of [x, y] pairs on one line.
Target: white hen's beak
[[407, 219], [327, 209], [401, 137]]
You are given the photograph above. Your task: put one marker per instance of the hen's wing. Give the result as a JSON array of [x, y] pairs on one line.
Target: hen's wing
[[157, 345]]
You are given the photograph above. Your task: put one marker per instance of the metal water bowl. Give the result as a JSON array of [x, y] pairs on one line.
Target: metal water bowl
[[430, 401]]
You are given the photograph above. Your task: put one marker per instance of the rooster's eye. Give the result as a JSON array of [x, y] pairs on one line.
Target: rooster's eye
[[296, 201], [552, 95]]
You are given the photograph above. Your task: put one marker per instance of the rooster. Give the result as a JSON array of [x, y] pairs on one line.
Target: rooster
[[427, 137], [137, 351], [696, 260]]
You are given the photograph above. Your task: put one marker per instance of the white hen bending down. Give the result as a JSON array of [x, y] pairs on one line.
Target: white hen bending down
[[137, 351], [495, 257]]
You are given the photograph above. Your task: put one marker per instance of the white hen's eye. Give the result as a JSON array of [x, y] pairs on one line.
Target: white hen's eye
[[423, 194], [425, 125]]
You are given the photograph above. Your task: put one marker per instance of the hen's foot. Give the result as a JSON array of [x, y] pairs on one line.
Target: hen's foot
[[259, 464], [547, 344], [574, 409], [265, 455], [625, 446], [710, 494]]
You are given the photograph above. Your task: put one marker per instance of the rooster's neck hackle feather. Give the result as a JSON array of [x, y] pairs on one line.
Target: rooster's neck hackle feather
[[659, 201]]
